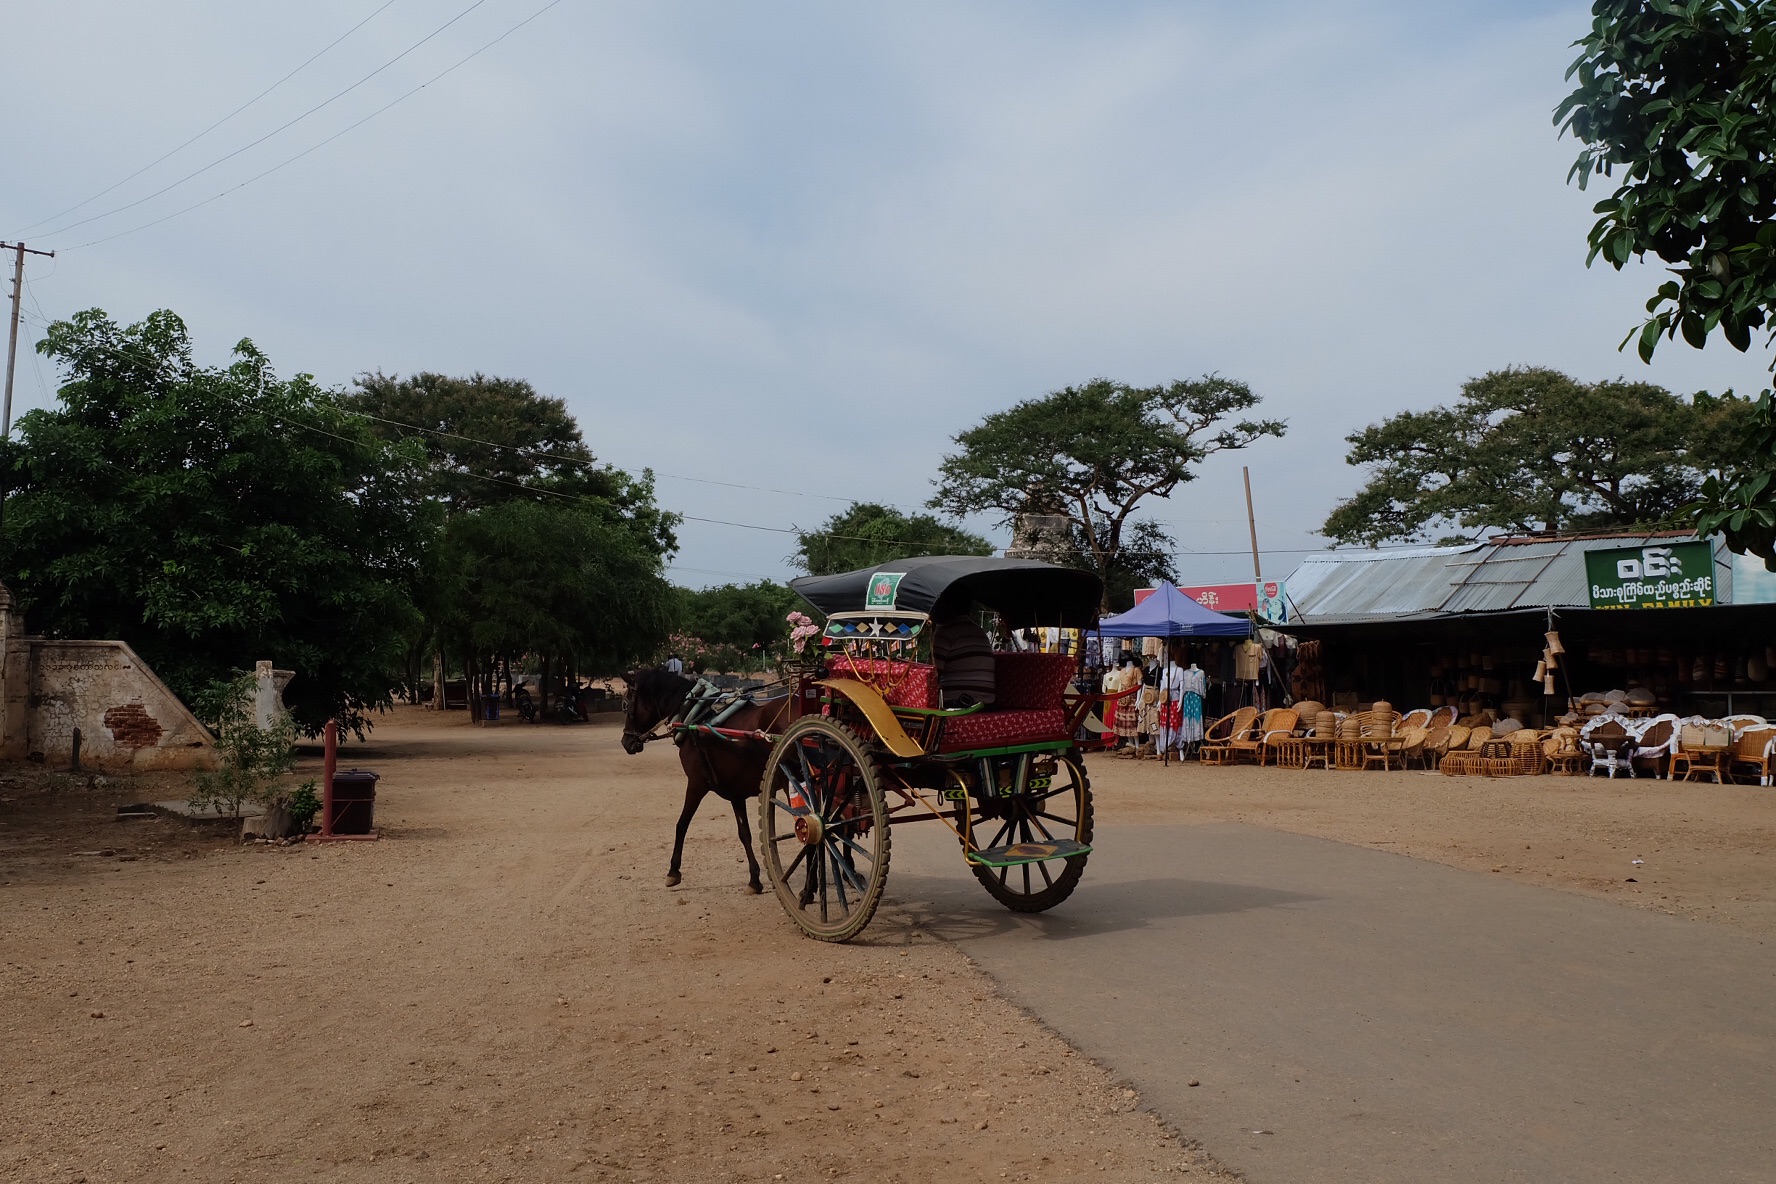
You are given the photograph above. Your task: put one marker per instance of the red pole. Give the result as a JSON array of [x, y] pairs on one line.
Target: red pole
[[331, 733]]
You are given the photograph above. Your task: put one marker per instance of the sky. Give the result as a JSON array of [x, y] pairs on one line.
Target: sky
[[782, 253]]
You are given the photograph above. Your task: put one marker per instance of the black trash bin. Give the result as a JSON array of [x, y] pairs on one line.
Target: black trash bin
[[354, 802]]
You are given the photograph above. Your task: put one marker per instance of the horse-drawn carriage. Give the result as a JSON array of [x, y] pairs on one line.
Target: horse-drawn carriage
[[864, 743]]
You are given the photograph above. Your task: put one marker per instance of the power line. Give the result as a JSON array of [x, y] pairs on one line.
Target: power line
[[291, 123], [206, 131], [566, 496], [342, 131]]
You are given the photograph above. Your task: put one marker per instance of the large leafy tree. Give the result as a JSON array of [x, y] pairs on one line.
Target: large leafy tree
[[1092, 454], [564, 580], [1528, 450], [1676, 99], [741, 616], [212, 517], [867, 534], [547, 551]]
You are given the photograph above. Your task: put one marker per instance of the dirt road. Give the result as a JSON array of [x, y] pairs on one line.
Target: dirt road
[[502, 989]]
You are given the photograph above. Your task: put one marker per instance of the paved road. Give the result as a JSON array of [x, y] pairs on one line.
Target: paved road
[[1383, 1019]]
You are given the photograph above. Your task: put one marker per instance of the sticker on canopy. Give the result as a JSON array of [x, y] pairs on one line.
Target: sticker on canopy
[[884, 586]]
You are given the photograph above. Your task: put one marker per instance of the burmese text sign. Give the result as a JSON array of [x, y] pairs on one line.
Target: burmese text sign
[[1674, 575]]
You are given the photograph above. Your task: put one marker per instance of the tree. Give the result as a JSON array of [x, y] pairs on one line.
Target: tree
[[564, 580], [1532, 450], [1093, 453], [1681, 98], [868, 534], [211, 517], [745, 617], [509, 582]]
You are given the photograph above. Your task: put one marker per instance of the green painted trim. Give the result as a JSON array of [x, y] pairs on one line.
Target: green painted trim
[[945, 712], [973, 753]]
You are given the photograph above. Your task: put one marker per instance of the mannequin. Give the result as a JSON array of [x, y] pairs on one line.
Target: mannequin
[[1196, 689], [1171, 705]]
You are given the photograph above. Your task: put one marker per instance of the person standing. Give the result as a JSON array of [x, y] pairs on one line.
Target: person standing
[[674, 665]]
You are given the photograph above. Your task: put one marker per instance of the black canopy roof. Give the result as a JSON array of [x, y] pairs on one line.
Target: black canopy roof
[[1024, 592]]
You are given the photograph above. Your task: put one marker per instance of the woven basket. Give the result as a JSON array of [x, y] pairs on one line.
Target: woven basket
[[1326, 723]]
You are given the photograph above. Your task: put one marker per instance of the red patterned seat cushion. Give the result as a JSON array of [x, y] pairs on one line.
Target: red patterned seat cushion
[[996, 729], [902, 684], [1029, 682]]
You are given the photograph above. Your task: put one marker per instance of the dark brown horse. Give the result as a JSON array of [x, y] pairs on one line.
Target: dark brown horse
[[730, 769]]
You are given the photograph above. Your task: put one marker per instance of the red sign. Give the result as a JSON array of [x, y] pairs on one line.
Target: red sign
[[1224, 598]]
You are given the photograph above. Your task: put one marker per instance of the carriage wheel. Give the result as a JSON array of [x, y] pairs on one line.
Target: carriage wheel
[[824, 825], [1060, 810]]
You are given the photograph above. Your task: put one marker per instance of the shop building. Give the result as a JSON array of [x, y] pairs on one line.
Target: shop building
[[1683, 621]]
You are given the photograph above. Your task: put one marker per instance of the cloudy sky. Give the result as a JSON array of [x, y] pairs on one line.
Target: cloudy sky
[[782, 253]]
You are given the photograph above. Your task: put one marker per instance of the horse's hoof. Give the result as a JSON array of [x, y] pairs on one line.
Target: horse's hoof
[[672, 879], [755, 889]]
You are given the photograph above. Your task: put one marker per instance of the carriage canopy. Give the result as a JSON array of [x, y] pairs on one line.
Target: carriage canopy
[[1024, 592]]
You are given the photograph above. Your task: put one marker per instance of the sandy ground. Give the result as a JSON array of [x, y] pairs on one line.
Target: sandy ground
[[502, 988], [1704, 851]]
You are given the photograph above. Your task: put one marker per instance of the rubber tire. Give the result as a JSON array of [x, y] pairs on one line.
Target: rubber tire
[[787, 895], [1064, 884]]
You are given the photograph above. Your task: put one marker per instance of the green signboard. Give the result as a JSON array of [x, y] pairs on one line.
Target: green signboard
[[1672, 575], [884, 586]]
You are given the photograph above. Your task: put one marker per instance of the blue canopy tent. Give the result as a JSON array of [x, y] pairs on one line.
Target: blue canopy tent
[[1170, 613]]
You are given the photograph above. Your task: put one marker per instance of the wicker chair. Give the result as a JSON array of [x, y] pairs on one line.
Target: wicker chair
[[1277, 725], [1561, 750], [1381, 740], [1219, 737], [1752, 747], [1655, 741]]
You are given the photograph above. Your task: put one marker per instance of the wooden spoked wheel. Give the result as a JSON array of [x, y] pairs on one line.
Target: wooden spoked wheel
[[824, 825], [1049, 802]]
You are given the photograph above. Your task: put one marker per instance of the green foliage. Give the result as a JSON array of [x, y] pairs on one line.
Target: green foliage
[[868, 534], [547, 551], [212, 517], [1679, 98], [1527, 450], [252, 758], [560, 578], [1093, 453], [748, 618], [303, 804], [1739, 503]]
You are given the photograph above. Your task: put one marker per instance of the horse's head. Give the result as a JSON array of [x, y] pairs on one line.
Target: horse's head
[[652, 698]]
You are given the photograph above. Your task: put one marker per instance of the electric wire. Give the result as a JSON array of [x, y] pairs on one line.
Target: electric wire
[[206, 131], [290, 123], [342, 131], [787, 530]]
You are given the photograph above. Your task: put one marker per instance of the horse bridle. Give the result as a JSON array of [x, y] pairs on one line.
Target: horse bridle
[[653, 733]]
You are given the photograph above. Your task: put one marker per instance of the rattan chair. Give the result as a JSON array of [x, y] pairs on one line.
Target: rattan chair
[[1752, 748], [1218, 737], [1261, 742]]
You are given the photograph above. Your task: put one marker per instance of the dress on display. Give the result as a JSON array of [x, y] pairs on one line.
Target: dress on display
[[1171, 707], [1196, 687]]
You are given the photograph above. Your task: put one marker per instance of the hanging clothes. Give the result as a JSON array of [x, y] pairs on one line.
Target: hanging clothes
[[1196, 689], [1171, 707], [1128, 708]]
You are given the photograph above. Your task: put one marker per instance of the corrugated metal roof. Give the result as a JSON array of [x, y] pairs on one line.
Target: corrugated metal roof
[[1489, 577], [1372, 583]]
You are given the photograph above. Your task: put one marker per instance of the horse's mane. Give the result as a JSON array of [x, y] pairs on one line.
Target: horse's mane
[[658, 685]]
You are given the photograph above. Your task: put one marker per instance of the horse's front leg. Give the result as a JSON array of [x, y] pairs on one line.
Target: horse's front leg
[[693, 798], [752, 864]]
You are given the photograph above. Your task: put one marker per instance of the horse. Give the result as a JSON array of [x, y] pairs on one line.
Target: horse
[[730, 769]]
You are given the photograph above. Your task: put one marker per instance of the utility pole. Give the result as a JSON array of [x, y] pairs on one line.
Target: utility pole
[[1252, 525], [20, 250]]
